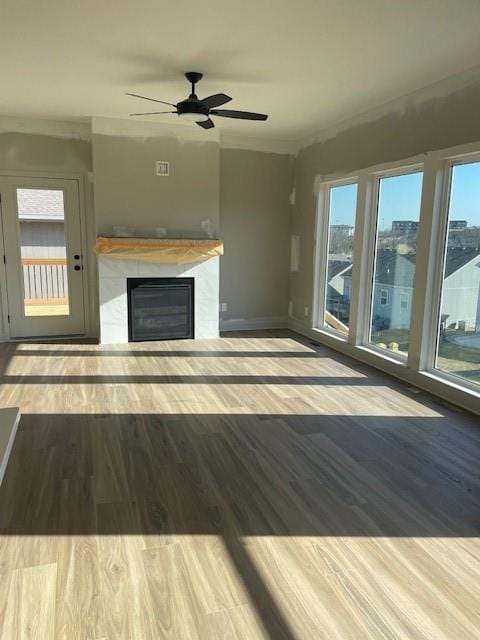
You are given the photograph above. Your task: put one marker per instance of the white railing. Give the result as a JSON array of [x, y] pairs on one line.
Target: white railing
[[45, 279]]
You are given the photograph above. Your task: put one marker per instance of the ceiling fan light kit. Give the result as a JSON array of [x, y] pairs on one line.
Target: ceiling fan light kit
[[193, 117], [198, 110]]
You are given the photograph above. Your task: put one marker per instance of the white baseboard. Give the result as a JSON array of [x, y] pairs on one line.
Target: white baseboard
[[251, 324]]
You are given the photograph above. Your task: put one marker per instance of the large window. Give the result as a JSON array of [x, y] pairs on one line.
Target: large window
[[458, 350], [341, 228], [409, 298], [398, 215]]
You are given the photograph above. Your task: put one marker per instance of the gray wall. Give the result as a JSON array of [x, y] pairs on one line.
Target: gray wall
[[255, 227], [253, 188], [436, 124], [30, 152], [129, 193]]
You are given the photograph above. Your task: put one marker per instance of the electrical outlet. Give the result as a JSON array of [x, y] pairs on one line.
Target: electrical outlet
[[223, 306], [306, 312]]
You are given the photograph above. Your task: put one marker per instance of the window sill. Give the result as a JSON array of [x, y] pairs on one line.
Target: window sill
[[389, 356], [330, 333], [451, 382]]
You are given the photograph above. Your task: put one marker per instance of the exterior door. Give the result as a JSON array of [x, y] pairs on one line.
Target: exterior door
[[43, 256]]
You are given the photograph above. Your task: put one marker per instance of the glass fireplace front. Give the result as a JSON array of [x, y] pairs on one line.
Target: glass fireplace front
[[160, 308]]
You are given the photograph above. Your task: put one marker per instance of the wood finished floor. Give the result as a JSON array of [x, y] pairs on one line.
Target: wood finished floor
[[249, 487]]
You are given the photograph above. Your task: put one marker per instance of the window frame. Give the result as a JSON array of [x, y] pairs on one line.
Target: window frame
[[418, 368], [322, 243], [435, 319], [391, 171]]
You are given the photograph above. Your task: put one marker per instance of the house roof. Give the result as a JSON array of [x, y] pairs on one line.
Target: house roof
[[393, 268], [40, 204], [457, 257], [335, 267]]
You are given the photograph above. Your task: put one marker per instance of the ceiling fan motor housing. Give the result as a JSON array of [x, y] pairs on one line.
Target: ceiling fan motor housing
[[192, 106]]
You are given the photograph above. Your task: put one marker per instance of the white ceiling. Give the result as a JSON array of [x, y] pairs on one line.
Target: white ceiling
[[307, 63]]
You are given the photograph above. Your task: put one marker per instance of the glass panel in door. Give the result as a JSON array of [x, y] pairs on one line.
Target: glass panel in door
[[41, 218]]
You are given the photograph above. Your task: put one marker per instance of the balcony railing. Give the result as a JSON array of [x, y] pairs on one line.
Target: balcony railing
[[45, 280]]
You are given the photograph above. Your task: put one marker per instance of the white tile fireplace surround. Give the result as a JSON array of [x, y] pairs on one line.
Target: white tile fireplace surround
[[113, 274]]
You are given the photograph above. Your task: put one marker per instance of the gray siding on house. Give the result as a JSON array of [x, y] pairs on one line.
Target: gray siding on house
[[395, 314], [42, 239], [461, 296]]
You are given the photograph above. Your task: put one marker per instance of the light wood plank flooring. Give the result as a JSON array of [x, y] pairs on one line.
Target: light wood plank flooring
[[251, 487]]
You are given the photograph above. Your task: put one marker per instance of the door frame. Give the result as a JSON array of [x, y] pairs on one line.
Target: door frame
[[81, 179]]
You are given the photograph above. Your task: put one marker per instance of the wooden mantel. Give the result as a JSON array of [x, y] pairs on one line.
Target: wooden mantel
[[159, 250]]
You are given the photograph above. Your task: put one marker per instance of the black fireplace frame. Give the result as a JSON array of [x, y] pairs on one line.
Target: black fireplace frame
[[133, 283]]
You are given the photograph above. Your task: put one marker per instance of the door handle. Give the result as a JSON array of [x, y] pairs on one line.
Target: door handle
[[76, 257], [77, 267]]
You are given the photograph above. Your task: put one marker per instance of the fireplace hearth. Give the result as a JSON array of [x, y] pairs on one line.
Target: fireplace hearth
[[160, 308]]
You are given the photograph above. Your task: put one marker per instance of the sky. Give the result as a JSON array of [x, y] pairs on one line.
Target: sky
[[399, 198]]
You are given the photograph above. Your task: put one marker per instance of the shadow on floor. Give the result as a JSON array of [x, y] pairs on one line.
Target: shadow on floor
[[312, 475]]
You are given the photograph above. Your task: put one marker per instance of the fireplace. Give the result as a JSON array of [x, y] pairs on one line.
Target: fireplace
[[160, 308], [114, 306]]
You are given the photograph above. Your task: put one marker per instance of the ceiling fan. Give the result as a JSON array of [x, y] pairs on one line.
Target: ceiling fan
[[199, 111]]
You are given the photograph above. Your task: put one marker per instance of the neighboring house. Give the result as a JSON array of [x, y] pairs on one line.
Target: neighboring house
[[393, 290], [392, 296], [337, 269], [338, 289], [42, 225], [461, 289]]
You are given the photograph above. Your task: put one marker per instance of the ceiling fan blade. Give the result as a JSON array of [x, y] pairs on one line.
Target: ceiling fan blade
[[150, 113], [241, 115], [206, 124], [135, 95], [216, 100]]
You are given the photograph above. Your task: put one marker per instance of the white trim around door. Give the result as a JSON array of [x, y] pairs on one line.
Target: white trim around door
[[43, 282]]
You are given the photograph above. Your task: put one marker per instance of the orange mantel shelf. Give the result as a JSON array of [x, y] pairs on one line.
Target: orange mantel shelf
[[159, 250]]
